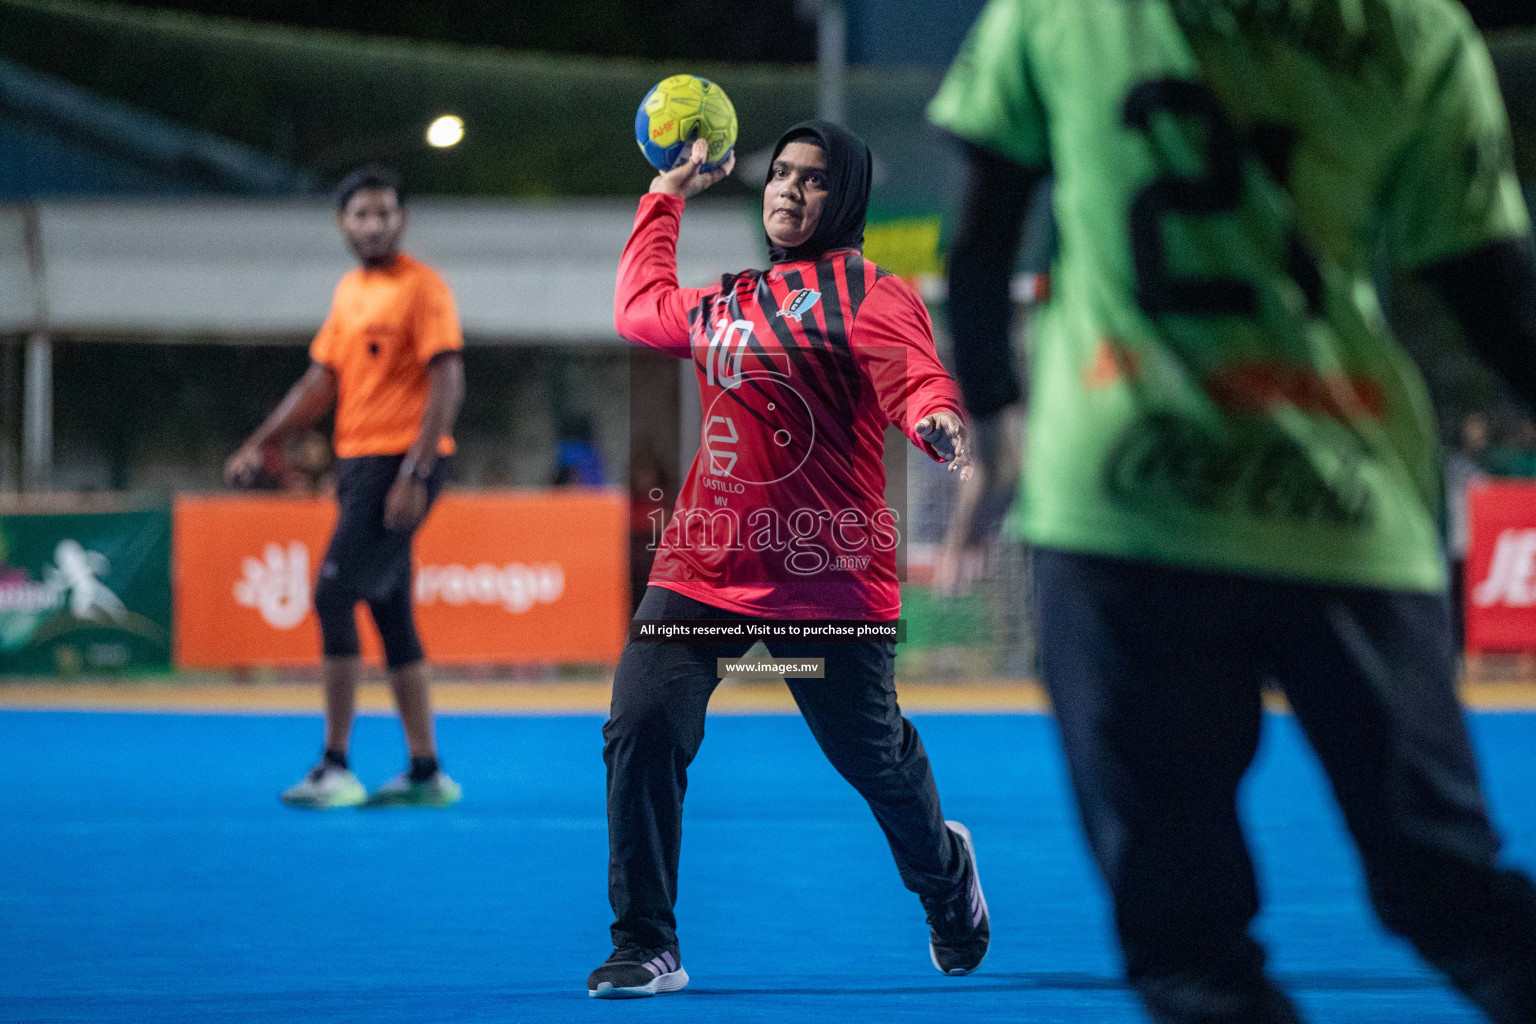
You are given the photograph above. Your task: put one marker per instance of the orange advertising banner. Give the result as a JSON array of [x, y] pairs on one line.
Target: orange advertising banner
[[501, 577]]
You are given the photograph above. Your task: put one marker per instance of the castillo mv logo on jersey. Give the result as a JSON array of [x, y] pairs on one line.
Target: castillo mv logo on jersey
[[799, 302]]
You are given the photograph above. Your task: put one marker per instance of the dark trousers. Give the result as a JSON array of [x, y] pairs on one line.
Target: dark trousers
[[366, 562], [655, 727], [1156, 677]]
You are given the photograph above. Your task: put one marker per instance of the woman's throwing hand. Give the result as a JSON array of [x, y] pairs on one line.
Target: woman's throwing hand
[[686, 179]]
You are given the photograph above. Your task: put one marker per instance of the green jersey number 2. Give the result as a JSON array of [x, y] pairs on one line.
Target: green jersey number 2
[[1217, 190]]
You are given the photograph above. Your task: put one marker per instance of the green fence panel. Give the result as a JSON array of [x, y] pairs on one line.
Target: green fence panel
[[86, 592]]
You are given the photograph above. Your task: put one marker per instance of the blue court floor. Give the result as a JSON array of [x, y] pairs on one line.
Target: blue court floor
[[148, 873]]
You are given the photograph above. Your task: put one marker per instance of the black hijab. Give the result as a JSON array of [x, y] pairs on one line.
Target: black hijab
[[849, 170]]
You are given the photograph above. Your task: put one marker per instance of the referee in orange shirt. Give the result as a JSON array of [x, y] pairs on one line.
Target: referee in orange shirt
[[390, 359]]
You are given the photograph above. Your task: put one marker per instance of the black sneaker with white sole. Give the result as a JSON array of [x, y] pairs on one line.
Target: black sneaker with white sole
[[632, 972], [959, 928]]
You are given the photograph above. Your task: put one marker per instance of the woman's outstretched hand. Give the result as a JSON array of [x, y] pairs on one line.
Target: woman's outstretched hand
[[686, 179], [946, 432]]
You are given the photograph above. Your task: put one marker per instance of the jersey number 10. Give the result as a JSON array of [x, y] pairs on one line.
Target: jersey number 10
[[1216, 191]]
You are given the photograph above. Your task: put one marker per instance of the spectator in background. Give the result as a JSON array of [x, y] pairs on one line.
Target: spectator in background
[[1515, 454], [301, 466], [311, 466], [576, 458], [274, 466], [1463, 468]]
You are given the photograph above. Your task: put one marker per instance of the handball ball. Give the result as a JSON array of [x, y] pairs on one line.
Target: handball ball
[[677, 111]]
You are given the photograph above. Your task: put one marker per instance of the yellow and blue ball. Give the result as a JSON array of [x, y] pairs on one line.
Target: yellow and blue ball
[[679, 110]]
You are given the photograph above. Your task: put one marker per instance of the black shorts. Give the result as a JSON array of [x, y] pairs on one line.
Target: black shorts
[[365, 561], [1156, 675]]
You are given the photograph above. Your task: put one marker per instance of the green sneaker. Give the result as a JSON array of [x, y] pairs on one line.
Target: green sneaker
[[402, 791], [326, 786]]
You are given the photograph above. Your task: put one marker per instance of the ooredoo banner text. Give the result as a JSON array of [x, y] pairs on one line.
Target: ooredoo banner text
[[501, 577]]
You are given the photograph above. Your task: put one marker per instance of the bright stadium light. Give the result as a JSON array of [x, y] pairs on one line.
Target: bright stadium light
[[446, 131]]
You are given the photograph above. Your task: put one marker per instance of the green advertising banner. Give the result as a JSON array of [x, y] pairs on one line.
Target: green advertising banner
[[85, 593]]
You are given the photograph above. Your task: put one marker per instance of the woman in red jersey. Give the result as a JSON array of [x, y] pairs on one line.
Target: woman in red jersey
[[801, 368]]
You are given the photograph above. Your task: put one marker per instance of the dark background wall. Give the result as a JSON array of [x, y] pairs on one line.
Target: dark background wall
[[765, 30]]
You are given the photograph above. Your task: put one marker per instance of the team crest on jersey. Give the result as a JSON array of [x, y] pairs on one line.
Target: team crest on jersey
[[799, 302]]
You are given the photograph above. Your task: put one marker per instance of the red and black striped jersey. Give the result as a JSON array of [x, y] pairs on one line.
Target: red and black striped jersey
[[800, 368]]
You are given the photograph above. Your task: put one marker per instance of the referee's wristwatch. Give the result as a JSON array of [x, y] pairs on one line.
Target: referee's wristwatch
[[414, 469]]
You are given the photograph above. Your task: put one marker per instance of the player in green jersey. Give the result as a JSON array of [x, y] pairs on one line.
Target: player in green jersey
[[1231, 472]]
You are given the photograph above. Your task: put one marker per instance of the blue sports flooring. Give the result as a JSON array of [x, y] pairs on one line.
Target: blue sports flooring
[[148, 873]]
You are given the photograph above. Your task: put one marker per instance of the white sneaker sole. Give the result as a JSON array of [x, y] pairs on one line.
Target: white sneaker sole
[[444, 798], [970, 847], [669, 982], [323, 803]]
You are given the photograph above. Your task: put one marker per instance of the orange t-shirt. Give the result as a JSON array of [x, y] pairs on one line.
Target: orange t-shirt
[[385, 326]]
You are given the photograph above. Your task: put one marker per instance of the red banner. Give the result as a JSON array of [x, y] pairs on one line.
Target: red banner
[[1500, 591], [500, 578]]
